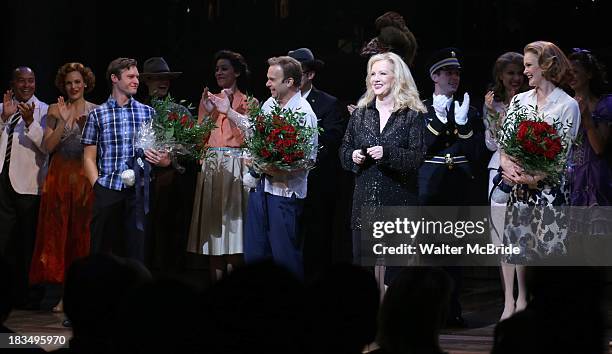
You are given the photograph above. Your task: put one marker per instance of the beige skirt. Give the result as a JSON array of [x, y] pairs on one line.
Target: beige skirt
[[220, 205]]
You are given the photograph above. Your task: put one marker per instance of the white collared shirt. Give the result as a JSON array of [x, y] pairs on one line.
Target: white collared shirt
[[28, 167], [305, 94]]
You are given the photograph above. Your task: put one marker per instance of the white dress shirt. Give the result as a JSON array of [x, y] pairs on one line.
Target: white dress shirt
[[28, 167]]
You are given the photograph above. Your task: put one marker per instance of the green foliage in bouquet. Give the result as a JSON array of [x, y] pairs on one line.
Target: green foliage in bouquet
[[280, 138], [176, 131], [539, 147]]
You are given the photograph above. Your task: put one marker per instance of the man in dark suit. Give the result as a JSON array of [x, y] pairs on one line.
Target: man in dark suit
[[319, 208]]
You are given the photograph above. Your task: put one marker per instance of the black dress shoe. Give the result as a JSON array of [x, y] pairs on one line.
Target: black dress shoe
[[67, 323], [455, 322]]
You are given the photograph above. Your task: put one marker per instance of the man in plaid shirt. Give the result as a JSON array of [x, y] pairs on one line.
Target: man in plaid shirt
[[108, 137]]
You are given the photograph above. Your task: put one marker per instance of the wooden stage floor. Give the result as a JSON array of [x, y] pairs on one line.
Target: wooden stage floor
[[481, 300]]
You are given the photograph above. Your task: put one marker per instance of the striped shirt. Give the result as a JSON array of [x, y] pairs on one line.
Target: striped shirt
[[113, 129]]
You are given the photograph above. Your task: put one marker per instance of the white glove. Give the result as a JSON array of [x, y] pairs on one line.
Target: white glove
[[248, 181], [440, 105], [461, 111]]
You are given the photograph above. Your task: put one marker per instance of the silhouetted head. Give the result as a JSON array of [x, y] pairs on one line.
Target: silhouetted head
[[343, 304], [258, 307], [414, 310]]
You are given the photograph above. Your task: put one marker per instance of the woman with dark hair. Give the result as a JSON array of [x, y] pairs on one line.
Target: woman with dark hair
[[508, 80], [539, 237], [67, 198], [221, 199], [590, 176], [393, 36]]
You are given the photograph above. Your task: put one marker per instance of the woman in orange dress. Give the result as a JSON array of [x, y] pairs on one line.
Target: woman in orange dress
[[219, 209], [66, 201]]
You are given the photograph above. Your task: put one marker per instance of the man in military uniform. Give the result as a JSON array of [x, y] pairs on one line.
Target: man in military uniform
[[454, 136]]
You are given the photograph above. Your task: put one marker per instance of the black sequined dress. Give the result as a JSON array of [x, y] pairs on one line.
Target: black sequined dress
[[392, 181]]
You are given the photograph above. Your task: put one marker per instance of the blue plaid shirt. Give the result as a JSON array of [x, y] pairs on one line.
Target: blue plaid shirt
[[113, 130]]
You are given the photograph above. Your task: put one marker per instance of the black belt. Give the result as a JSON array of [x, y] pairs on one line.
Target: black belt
[[447, 160]]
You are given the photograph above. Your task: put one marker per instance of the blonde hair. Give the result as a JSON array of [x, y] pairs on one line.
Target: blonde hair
[[404, 90], [556, 68]]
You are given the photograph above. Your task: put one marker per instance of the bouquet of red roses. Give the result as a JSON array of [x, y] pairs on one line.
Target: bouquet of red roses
[[538, 146], [280, 138], [176, 131]]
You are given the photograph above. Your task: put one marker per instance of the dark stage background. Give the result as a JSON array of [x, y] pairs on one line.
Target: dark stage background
[[46, 34]]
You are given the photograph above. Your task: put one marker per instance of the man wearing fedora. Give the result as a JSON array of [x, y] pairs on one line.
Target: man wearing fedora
[[173, 188], [156, 75], [323, 186]]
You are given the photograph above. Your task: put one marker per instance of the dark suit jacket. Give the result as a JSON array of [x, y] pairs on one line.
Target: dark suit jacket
[[330, 118]]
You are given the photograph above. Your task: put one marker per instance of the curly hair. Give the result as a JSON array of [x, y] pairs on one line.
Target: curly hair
[[598, 84], [555, 66], [394, 36], [238, 63], [88, 76], [500, 65], [404, 91]]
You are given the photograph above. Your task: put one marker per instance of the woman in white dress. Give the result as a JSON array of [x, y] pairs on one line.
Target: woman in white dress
[[539, 237]]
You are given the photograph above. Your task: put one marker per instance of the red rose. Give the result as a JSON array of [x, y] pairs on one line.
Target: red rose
[[173, 116], [273, 135], [538, 128], [556, 145], [184, 120], [265, 153], [277, 120], [522, 131], [530, 146]]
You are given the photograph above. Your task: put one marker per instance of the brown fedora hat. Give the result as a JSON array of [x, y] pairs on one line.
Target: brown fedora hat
[[157, 67]]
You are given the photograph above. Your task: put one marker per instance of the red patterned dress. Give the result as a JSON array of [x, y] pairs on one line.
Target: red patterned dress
[[65, 212]]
